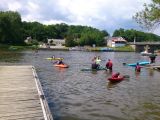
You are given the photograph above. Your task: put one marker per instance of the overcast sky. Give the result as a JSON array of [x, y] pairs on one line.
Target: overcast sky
[[106, 15]]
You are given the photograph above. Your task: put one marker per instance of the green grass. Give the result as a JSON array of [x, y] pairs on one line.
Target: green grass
[[120, 49], [124, 49]]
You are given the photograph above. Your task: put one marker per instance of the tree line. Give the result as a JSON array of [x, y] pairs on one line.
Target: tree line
[[138, 36], [14, 31]]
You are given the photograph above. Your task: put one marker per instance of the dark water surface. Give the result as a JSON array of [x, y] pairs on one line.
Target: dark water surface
[[73, 94]]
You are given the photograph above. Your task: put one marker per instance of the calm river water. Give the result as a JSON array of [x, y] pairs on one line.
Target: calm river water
[[73, 94]]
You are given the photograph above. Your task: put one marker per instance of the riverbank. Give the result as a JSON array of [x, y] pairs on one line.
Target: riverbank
[[63, 48], [88, 48]]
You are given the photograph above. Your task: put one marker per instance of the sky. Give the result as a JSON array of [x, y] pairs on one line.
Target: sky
[[106, 15]]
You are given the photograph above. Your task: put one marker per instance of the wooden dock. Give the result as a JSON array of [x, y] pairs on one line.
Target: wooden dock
[[21, 95], [153, 66]]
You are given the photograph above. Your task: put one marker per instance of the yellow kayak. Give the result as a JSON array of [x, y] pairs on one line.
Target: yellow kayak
[[54, 58]]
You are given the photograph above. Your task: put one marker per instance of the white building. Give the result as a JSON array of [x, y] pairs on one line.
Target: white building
[[28, 40], [116, 42], [56, 42]]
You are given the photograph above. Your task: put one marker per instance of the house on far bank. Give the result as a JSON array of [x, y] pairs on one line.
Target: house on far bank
[[56, 42], [28, 40], [116, 42]]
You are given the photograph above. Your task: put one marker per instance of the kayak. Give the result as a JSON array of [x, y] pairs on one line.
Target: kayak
[[140, 63], [116, 79], [54, 58], [90, 69], [61, 65]]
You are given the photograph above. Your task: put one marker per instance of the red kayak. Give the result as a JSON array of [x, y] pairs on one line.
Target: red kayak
[[61, 65], [116, 79]]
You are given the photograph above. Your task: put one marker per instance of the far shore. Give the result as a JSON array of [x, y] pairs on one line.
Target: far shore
[[63, 48]]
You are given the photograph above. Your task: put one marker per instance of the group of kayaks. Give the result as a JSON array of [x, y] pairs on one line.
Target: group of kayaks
[[111, 79]]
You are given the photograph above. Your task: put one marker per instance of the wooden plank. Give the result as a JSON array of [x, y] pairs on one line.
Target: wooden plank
[[20, 98]]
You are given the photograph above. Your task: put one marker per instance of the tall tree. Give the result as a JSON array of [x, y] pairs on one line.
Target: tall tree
[[10, 28], [139, 36], [149, 17]]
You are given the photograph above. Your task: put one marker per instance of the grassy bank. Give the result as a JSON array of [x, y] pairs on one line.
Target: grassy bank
[[16, 48], [33, 47], [117, 49], [124, 49]]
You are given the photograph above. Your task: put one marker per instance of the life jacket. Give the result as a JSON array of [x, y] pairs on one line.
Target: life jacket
[[109, 64], [98, 61], [138, 68], [115, 75]]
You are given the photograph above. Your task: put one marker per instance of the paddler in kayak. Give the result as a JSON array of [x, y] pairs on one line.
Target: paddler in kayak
[[98, 61], [94, 65], [60, 62], [109, 65], [152, 58], [138, 68], [116, 75]]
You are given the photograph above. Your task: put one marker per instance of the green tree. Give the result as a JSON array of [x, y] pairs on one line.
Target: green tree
[[150, 16], [139, 36], [70, 42], [10, 28]]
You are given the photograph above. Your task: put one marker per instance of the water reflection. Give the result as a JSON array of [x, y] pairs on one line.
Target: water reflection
[[151, 72], [112, 84]]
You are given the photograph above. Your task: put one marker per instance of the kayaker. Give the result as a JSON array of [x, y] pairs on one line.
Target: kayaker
[[94, 65], [138, 68], [152, 58], [116, 75], [98, 61], [60, 61], [109, 65]]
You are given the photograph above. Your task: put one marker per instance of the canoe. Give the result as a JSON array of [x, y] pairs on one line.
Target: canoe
[[90, 69], [54, 58], [61, 65], [116, 79], [140, 63]]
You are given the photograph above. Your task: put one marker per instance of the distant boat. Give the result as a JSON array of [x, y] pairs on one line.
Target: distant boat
[[145, 53]]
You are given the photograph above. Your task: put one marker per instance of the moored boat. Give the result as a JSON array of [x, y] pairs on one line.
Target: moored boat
[[145, 53]]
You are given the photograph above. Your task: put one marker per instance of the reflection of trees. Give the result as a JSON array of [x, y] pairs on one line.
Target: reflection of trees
[[10, 56], [112, 84], [151, 72]]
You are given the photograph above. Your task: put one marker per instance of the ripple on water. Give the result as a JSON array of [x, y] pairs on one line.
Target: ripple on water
[[76, 95]]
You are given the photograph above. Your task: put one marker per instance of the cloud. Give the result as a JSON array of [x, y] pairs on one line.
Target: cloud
[[102, 14]]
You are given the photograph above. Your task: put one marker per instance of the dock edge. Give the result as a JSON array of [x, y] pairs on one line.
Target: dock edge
[[45, 108]]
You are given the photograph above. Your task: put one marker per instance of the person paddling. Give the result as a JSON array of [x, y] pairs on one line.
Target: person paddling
[[98, 61], [116, 75], [138, 68], [94, 65], [152, 58], [109, 65]]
